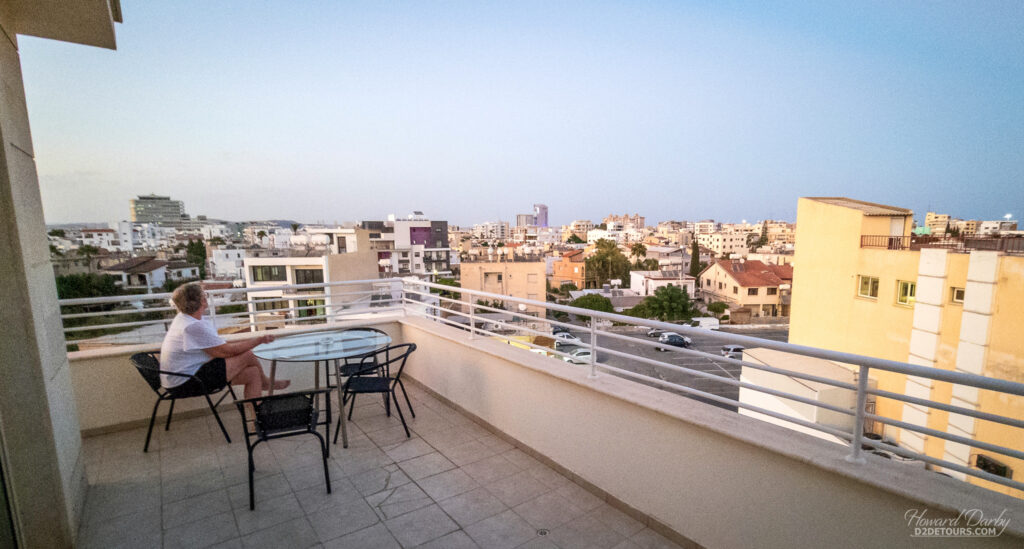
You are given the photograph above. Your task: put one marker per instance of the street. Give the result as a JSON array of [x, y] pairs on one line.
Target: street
[[640, 346]]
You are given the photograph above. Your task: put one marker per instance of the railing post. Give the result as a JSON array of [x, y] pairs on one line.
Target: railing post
[[593, 348], [472, 318], [858, 424]]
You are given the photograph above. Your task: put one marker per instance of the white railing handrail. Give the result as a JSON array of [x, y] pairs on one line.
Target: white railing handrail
[[962, 378], [409, 293]]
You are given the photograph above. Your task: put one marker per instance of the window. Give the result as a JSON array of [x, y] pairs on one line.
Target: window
[[720, 286], [417, 254], [773, 291], [318, 311], [269, 303], [956, 295], [751, 291], [989, 465], [867, 286], [266, 273], [905, 292], [735, 289], [309, 276]]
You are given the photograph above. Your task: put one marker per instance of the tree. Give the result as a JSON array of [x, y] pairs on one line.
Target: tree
[[55, 251], [295, 227], [593, 302], [76, 286], [59, 233], [446, 293], [88, 252], [669, 304], [695, 259], [262, 234], [195, 253], [717, 308], [216, 241], [602, 226], [607, 263], [646, 265], [573, 239], [637, 251]]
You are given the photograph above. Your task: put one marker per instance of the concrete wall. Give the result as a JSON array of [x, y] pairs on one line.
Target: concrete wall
[[716, 478], [41, 446]]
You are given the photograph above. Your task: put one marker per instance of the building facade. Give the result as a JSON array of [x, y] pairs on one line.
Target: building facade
[[954, 310], [162, 210]]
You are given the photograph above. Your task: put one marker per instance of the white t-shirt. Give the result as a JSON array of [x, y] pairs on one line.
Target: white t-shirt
[[183, 346]]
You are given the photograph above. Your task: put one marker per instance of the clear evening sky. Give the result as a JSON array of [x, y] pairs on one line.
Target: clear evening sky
[[475, 111]]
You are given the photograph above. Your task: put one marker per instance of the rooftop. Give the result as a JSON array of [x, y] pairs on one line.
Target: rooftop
[[869, 208], [453, 484]]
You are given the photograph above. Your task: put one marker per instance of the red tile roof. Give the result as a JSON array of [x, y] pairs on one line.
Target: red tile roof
[[137, 265], [756, 273]]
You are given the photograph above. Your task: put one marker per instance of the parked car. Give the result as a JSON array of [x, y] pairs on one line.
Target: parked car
[[673, 339], [655, 332], [578, 356], [555, 329], [566, 338], [733, 351]]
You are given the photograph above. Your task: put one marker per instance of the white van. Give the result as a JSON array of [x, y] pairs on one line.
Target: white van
[[709, 322]]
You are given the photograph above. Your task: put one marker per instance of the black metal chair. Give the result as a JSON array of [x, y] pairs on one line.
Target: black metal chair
[[375, 376], [148, 365], [280, 416]]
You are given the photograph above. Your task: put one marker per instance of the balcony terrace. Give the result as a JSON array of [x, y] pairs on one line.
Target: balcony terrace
[[1014, 245], [511, 448]]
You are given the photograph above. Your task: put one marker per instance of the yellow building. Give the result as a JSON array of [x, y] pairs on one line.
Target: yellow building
[[936, 222], [861, 288], [523, 279]]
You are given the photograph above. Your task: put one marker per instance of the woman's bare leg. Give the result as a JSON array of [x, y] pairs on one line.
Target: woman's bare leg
[[245, 369]]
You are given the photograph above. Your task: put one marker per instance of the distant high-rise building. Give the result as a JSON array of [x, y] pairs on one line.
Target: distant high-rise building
[[525, 220], [157, 209], [540, 215]]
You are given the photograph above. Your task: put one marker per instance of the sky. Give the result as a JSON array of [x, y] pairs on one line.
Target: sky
[[475, 111]]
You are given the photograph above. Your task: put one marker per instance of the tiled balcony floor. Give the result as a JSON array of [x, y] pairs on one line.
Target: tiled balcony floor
[[452, 485]]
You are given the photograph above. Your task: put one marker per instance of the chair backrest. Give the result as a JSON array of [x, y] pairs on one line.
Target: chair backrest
[[393, 360], [148, 365], [277, 414]]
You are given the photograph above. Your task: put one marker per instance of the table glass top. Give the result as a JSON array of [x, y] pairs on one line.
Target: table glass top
[[323, 345]]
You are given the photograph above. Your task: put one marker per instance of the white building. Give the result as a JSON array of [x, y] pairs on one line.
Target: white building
[[724, 244], [133, 237], [645, 283], [101, 238], [226, 262], [492, 230]]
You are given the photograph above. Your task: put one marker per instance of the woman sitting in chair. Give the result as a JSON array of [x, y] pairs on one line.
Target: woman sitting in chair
[[192, 346]]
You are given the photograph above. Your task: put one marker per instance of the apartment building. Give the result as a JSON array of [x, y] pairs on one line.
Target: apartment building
[[570, 268], [161, 210], [525, 220], [626, 221], [359, 262], [492, 230], [763, 289], [861, 290], [540, 215], [101, 238], [724, 244], [937, 222], [415, 245], [522, 278], [226, 262]]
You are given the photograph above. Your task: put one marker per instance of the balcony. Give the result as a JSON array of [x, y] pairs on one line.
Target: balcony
[[517, 447], [1012, 245]]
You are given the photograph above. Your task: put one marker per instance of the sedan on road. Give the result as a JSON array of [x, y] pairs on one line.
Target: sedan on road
[[673, 339], [565, 338]]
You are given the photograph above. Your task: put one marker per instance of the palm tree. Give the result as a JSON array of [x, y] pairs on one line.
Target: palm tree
[[637, 251]]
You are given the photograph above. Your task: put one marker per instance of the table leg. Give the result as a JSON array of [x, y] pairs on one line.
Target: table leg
[[273, 376], [316, 374], [341, 410]]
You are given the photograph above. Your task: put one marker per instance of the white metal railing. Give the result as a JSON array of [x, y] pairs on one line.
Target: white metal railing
[[410, 296]]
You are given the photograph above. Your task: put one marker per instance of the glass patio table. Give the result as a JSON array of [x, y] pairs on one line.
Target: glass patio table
[[317, 347]]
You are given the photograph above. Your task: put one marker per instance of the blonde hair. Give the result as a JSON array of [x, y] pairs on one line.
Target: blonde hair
[[188, 298]]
